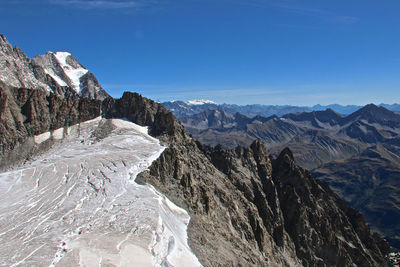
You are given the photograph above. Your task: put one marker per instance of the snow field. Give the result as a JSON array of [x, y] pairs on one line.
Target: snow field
[[74, 73], [79, 204]]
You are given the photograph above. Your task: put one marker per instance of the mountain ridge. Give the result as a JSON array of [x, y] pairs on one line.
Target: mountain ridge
[[332, 146], [183, 109]]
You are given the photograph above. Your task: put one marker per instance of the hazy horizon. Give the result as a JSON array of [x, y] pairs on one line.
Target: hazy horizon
[[300, 106]]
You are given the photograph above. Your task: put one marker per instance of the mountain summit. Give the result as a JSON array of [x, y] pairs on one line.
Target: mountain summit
[[375, 114], [58, 72]]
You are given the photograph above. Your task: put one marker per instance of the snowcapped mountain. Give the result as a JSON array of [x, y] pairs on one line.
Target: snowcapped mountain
[[200, 102], [79, 204], [58, 72], [63, 68]]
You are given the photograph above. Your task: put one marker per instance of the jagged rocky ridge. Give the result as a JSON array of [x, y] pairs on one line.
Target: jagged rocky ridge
[[315, 137], [272, 211], [59, 73], [246, 208], [357, 155]]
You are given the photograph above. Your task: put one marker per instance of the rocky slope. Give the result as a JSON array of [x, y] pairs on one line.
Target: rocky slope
[[341, 150], [247, 208], [315, 137], [370, 183], [59, 73]]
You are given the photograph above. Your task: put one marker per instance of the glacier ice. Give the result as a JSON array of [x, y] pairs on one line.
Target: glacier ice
[[78, 204]]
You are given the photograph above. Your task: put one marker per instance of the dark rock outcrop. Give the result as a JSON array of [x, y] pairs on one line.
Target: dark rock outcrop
[[25, 113], [323, 228]]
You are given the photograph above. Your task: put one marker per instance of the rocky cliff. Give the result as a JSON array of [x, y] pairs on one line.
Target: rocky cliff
[[25, 113], [370, 183]]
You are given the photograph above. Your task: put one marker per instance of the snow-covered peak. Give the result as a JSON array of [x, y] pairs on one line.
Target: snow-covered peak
[[62, 57], [73, 71], [200, 102], [67, 74]]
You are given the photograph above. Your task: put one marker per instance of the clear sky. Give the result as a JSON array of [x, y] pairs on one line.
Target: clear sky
[[298, 52]]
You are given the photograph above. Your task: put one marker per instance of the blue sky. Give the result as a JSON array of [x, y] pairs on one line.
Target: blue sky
[[298, 52]]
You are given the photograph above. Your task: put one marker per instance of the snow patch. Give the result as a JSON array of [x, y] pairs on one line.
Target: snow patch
[[58, 134], [55, 77], [38, 139], [125, 123]]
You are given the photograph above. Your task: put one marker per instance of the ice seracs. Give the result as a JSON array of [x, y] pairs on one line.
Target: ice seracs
[[78, 203]]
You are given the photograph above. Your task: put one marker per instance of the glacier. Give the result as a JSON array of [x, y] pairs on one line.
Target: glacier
[[77, 204]]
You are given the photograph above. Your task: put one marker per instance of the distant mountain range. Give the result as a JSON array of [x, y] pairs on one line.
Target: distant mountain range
[[358, 154], [183, 109]]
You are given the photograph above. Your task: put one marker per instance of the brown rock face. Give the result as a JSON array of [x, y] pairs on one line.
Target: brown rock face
[[142, 111], [25, 113]]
